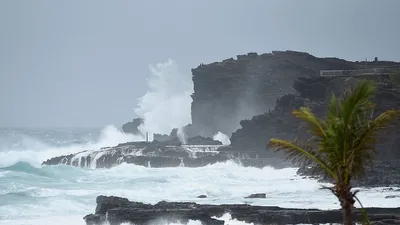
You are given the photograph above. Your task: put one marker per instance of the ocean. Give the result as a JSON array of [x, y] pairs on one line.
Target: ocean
[[31, 194]]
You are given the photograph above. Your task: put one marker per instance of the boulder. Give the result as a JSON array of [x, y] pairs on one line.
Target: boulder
[[258, 195], [133, 127], [202, 196]]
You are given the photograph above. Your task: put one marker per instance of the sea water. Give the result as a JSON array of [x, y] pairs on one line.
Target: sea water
[[31, 194]]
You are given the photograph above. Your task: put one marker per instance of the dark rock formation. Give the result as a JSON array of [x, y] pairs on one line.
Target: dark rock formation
[[202, 196], [393, 196], [258, 195], [163, 137], [315, 92], [133, 127], [163, 154], [279, 123], [188, 130], [197, 140], [236, 89], [120, 210], [151, 154]]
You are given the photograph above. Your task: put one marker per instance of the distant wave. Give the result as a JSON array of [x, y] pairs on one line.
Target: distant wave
[[24, 167], [36, 151]]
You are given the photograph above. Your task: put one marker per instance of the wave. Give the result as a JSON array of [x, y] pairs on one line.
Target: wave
[[24, 167], [34, 151]]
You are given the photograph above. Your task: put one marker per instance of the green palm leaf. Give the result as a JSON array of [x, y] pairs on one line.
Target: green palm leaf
[[316, 125], [300, 153]]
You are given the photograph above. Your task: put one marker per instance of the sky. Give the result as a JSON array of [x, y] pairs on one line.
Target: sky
[[85, 63]]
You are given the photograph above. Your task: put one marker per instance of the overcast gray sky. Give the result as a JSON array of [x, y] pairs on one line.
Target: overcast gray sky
[[84, 63]]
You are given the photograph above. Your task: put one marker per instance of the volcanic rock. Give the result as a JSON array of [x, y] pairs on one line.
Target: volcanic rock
[[120, 210], [258, 195], [133, 127]]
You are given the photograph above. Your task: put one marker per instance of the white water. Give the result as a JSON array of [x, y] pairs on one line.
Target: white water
[[222, 138], [32, 194], [167, 104], [35, 151]]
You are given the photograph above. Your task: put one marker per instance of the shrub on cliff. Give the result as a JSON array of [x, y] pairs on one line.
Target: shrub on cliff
[[342, 145]]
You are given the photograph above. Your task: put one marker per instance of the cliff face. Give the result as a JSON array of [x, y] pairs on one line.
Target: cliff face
[[235, 89], [315, 92]]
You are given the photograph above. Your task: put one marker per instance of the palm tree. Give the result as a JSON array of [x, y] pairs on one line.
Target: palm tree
[[343, 144]]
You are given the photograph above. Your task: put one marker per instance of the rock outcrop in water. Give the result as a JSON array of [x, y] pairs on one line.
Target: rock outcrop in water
[[163, 154], [121, 210], [133, 127]]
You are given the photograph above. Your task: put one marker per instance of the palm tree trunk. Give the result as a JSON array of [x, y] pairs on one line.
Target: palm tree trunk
[[347, 214], [347, 202]]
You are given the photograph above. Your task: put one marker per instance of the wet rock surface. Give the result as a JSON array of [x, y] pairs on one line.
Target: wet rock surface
[[258, 195], [202, 196], [133, 127], [121, 210], [157, 154]]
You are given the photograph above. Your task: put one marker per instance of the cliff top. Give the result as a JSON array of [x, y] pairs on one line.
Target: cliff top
[[299, 58]]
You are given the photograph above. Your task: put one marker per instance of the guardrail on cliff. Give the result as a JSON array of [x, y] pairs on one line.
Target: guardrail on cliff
[[359, 72]]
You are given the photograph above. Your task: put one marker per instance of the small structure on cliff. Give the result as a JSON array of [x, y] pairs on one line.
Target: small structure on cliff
[[360, 72]]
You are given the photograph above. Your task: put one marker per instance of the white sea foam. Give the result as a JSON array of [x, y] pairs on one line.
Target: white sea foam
[[35, 151], [223, 138], [167, 104], [62, 191]]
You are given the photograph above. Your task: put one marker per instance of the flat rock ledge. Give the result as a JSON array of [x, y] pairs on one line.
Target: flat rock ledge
[[118, 210]]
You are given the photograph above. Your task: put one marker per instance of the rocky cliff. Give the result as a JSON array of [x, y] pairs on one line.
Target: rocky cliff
[[315, 92], [236, 89]]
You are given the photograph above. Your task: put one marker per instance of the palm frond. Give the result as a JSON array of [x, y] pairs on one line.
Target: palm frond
[[303, 154], [316, 125], [354, 110], [333, 112], [366, 220], [357, 101], [385, 118], [364, 142]]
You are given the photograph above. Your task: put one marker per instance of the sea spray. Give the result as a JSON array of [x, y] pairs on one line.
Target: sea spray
[[167, 104], [38, 150], [219, 136], [181, 135]]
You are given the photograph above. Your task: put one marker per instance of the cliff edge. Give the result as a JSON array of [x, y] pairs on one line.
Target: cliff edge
[[232, 90]]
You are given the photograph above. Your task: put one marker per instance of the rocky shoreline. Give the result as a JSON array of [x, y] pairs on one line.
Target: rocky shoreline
[[162, 154], [274, 84], [116, 210]]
